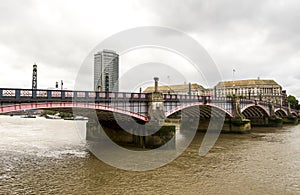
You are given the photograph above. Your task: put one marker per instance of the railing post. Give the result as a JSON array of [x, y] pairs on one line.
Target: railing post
[[204, 100], [236, 108], [34, 93], [49, 94], [272, 109], [97, 95], [17, 95]]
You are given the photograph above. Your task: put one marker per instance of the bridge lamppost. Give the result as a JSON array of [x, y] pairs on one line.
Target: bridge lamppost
[[99, 88], [249, 94], [106, 82], [235, 90], [169, 85], [156, 84], [34, 77], [99, 85], [260, 95]]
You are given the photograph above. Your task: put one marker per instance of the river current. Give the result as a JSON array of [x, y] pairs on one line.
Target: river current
[[43, 156]]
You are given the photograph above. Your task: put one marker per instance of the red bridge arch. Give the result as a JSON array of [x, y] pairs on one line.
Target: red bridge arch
[[170, 112], [28, 106]]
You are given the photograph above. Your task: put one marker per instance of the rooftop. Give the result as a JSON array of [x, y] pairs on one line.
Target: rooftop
[[106, 51], [246, 83], [174, 88]]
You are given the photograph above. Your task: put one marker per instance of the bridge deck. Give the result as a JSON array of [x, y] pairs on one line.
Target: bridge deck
[[135, 103]]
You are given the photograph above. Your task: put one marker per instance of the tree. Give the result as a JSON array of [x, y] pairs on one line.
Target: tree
[[293, 102]]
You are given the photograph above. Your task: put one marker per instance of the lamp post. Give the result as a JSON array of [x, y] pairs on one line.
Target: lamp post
[[106, 82], [234, 89], [156, 84], [169, 90], [260, 92], [34, 77]]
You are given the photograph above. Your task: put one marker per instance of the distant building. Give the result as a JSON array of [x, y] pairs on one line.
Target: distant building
[[106, 63], [185, 89], [256, 89]]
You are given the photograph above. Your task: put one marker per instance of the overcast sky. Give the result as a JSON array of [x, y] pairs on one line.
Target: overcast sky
[[256, 38]]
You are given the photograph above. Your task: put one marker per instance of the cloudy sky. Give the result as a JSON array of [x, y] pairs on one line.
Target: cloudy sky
[[256, 38]]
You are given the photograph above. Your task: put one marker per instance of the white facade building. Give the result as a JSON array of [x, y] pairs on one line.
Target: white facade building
[[257, 89]]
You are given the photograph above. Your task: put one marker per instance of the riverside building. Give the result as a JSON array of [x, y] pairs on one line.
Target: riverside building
[[256, 89]]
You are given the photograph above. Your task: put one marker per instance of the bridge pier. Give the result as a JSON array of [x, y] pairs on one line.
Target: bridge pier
[[163, 137], [229, 126], [238, 124], [93, 131], [290, 119], [273, 120], [138, 135], [266, 121], [104, 130]]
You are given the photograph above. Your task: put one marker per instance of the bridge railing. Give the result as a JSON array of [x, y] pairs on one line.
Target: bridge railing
[[11, 94], [180, 97], [222, 102], [195, 98], [174, 100], [280, 106], [191, 98]]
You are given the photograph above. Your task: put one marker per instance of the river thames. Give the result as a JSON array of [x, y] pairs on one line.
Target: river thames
[[42, 156]]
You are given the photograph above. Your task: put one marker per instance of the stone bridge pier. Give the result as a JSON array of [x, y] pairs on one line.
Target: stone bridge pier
[[273, 120], [238, 123], [290, 118], [127, 131]]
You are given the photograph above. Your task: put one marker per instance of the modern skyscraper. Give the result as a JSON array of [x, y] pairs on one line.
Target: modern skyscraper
[[106, 62]]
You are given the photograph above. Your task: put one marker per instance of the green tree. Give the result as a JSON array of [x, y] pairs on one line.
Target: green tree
[[293, 102]]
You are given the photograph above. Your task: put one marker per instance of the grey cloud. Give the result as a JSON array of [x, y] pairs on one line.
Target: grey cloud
[[194, 15], [259, 38]]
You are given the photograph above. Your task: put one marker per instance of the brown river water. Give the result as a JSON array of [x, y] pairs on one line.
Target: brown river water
[[42, 156]]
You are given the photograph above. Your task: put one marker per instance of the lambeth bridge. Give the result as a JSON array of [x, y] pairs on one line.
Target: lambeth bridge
[[106, 110], [142, 106]]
